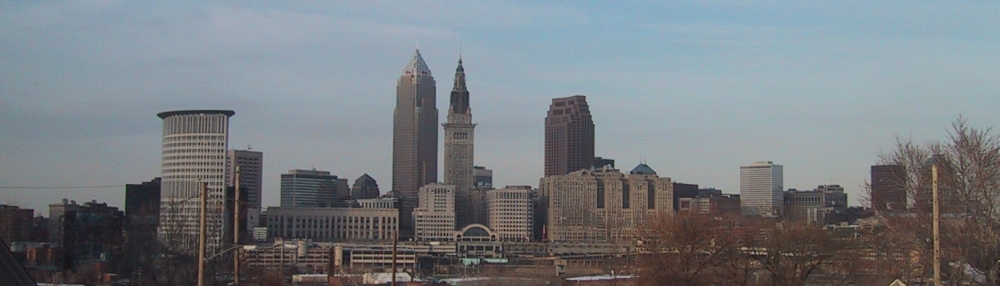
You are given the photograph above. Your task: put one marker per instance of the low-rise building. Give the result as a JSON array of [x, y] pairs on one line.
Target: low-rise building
[[813, 206], [333, 224]]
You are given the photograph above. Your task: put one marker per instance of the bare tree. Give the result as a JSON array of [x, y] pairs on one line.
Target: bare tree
[[690, 249], [968, 163], [790, 253]]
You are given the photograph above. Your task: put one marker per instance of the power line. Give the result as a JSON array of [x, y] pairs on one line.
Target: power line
[[61, 188]]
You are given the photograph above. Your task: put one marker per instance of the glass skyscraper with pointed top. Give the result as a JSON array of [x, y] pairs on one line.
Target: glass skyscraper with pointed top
[[414, 137]]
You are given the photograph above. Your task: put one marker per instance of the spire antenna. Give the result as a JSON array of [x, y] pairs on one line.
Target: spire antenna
[[460, 49]]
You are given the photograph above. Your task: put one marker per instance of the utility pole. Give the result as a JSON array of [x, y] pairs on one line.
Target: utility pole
[[395, 238], [201, 234], [236, 228], [936, 225]]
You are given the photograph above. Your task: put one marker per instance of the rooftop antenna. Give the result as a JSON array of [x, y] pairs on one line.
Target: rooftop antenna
[[249, 147]]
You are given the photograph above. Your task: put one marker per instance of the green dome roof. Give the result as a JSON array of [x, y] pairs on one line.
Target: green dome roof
[[642, 169]]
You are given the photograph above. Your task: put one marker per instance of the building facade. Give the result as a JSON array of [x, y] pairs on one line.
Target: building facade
[[888, 188], [251, 165], [511, 213], [92, 233], [195, 143], [57, 211], [378, 203], [309, 189], [710, 202], [483, 177], [16, 224], [600, 162], [434, 219], [761, 187], [332, 224], [813, 206], [603, 205], [365, 187], [142, 214], [414, 137], [569, 136]]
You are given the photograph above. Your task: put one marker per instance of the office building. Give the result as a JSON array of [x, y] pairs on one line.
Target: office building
[[90, 233], [343, 192], [142, 214], [365, 187], [684, 191], [603, 205], [601, 162], [949, 201], [251, 164], [761, 187], [569, 136], [332, 224], [478, 209], [434, 219], [510, 213], [414, 137], [710, 202], [483, 177], [16, 224], [459, 148], [888, 188], [57, 213], [195, 143], [310, 189], [813, 206]]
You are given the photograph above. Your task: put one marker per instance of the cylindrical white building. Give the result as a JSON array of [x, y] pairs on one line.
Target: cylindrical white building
[[195, 143]]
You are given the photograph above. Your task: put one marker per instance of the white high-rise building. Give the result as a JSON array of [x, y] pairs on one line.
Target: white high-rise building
[[761, 186], [510, 213], [434, 218], [194, 152]]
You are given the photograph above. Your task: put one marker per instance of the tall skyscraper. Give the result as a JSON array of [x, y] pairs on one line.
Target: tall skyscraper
[[414, 137], [761, 187], [459, 140], [888, 187], [251, 165], [309, 189], [569, 136], [194, 152]]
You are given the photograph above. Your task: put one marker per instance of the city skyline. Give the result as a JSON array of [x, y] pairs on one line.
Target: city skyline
[[822, 90]]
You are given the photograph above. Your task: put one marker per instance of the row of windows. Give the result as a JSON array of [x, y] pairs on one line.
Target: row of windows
[[193, 144], [196, 123], [195, 150], [176, 138]]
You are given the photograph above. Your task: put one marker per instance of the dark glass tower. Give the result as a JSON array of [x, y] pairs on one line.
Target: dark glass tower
[[414, 137], [459, 143], [569, 136]]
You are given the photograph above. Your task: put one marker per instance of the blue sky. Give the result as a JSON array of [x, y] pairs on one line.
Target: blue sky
[[697, 88]]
